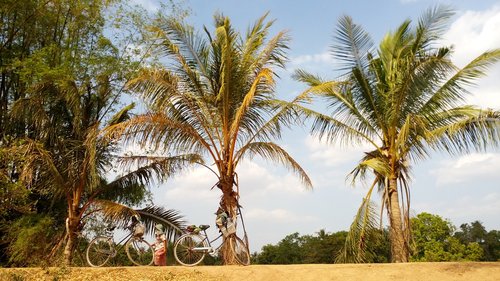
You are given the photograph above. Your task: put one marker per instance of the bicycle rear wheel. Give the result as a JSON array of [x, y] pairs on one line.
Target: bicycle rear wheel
[[99, 251], [239, 249], [184, 251], [139, 251]]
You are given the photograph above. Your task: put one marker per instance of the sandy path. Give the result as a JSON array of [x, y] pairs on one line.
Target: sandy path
[[410, 271]]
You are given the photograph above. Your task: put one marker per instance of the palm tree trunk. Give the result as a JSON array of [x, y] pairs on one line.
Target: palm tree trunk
[[399, 250], [71, 229], [229, 203]]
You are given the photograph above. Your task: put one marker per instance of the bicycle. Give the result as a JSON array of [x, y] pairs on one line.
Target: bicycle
[[190, 249], [138, 250]]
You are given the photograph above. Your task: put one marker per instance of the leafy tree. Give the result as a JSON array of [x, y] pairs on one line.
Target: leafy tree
[[405, 99], [492, 246], [288, 251], [31, 237], [434, 241], [321, 247], [215, 99], [489, 241], [473, 232], [72, 86], [13, 195]]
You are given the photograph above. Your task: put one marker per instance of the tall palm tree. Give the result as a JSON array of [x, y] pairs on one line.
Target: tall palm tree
[[216, 98], [405, 99]]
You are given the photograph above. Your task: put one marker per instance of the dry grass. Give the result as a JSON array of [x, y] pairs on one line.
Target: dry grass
[[410, 271]]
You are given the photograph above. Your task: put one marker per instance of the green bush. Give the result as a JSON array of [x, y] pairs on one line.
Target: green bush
[[30, 239]]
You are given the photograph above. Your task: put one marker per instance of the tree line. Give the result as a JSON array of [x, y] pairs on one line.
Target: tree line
[[69, 70], [434, 239]]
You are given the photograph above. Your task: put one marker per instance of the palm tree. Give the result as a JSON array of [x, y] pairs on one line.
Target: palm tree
[[405, 99], [215, 99]]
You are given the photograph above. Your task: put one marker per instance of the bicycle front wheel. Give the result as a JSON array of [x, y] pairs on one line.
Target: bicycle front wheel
[[185, 252], [99, 251], [139, 251], [239, 249]]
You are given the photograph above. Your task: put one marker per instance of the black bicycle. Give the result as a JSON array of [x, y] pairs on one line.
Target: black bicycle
[[138, 250]]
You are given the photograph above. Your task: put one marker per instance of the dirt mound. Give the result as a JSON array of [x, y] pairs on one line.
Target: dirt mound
[[409, 271]]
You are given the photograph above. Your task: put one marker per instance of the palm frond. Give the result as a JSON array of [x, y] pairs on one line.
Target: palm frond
[[90, 161], [121, 216], [150, 168], [353, 43], [264, 76], [336, 130], [255, 36], [452, 93], [159, 131], [32, 111], [477, 130], [274, 53], [122, 115], [308, 78], [363, 231], [375, 161], [171, 219], [274, 152], [114, 213], [36, 157], [431, 26]]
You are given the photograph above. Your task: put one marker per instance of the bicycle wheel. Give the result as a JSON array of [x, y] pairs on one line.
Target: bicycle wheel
[[183, 249], [99, 251], [139, 251], [239, 249]]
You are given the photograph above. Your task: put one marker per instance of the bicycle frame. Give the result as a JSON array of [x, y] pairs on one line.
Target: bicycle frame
[[118, 246], [208, 249], [190, 248]]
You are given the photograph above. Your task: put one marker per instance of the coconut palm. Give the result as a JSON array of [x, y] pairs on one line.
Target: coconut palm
[[216, 99], [406, 99]]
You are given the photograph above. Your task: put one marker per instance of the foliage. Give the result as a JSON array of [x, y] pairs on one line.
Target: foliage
[[31, 238], [322, 247], [62, 82], [434, 241], [14, 197], [363, 236], [489, 241]]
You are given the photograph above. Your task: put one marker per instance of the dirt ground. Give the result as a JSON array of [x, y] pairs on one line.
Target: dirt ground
[[469, 271]]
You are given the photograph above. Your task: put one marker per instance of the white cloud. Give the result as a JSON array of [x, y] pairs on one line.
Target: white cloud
[[193, 186], [467, 168], [324, 58], [332, 155], [281, 216], [256, 182], [473, 33], [464, 209], [489, 205], [150, 5], [263, 181]]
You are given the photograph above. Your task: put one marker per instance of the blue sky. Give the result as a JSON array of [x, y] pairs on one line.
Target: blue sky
[[461, 188]]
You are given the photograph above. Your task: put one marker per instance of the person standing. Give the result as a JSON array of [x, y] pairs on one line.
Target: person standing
[[160, 246]]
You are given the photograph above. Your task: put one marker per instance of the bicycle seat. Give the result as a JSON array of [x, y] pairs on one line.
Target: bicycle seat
[[203, 226]]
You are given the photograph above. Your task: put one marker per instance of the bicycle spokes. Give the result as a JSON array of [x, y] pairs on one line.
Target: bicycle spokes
[[139, 252], [99, 251], [190, 250]]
